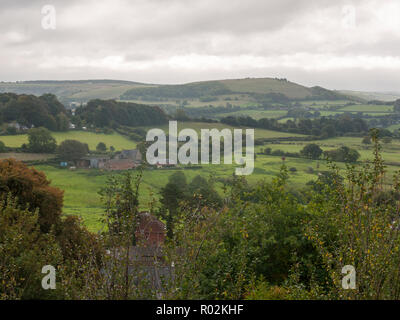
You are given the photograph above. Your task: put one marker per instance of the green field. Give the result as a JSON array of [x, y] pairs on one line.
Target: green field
[[255, 114], [368, 108], [268, 85], [81, 186], [116, 140]]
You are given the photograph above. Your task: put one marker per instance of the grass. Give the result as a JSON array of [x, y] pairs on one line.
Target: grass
[[116, 140], [255, 114], [197, 126], [368, 108], [81, 187], [268, 85]]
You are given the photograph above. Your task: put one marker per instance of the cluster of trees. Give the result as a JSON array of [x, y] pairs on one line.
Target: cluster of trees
[[342, 154], [280, 153], [33, 234], [314, 151], [40, 140], [302, 113], [110, 113], [135, 134], [72, 150], [321, 127], [29, 110], [198, 193], [186, 91]]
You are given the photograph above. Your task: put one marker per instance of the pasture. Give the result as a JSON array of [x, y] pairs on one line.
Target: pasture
[[81, 187], [116, 140]]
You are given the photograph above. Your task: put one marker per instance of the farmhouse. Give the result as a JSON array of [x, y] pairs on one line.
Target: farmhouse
[[120, 164], [126, 160], [134, 155], [96, 162], [151, 231]]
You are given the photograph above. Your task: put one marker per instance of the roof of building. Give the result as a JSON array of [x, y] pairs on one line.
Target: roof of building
[[98, 157], [133, 154], [120, 164]]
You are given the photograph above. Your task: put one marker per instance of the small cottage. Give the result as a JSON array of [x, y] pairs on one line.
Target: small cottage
[[133, 154], [150, 231]]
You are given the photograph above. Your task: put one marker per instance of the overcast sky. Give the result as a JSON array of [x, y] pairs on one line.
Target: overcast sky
[[353, 44]]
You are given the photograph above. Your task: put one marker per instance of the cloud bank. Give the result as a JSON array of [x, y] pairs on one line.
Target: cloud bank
[[336, 44]]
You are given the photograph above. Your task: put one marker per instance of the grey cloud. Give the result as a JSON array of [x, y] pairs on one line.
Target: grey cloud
[[137, 40]]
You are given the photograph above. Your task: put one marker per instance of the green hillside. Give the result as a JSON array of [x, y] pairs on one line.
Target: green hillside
[[382, 96], [244, 92], [256, 89], [72, 91], [268, 85]]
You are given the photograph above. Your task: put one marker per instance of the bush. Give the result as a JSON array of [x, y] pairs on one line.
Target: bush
[[342, 154]]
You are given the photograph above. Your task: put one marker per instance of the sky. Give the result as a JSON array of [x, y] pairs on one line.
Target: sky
[[341, 44]]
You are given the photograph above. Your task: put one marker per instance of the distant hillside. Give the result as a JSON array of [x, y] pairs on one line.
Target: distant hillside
[[382, 96], [268, 85], [249, 91], [261, 89], [72, 91]]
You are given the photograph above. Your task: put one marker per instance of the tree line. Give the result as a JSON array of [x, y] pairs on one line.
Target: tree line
[[110, 113], [29, 110], [321, 127]]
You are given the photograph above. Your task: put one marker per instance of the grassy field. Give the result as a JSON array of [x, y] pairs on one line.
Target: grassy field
[[368, 108], [116, 140], [268, 85], [81, 186], [255, 114]]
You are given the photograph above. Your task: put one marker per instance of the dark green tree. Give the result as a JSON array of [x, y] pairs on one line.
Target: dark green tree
[[41, 141], [202, 193], [311, 151], [72, 150], [3, 147], [172, 194], [101, 147]]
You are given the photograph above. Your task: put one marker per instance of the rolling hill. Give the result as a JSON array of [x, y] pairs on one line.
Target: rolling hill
[[257, 89], [253, 91], [72, 91]]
